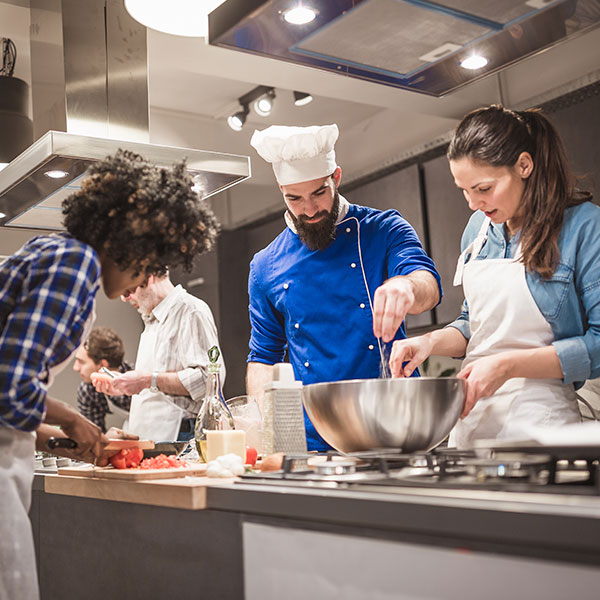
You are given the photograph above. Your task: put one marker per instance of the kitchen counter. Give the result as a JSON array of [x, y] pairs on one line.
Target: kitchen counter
[[230, 539]]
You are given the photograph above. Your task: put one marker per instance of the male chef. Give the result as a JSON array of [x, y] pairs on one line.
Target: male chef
[[335, 286], [168, 383]]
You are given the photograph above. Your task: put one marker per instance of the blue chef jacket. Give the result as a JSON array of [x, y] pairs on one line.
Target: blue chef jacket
[[317, 303]]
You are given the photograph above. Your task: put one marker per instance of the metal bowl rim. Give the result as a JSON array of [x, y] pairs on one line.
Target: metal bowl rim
[[388, 379]]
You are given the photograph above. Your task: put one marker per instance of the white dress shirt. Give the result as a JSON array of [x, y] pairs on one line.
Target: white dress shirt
[[176, 338]]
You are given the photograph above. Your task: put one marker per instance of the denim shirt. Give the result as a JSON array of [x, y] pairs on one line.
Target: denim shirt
[[570, 299]]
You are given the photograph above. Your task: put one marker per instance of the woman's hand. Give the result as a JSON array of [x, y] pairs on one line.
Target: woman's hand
[[484, 376], [413, 351]]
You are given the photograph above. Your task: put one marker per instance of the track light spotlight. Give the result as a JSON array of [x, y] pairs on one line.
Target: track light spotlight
[[301, 98], [236, 120], [262, 97], [264, 105]]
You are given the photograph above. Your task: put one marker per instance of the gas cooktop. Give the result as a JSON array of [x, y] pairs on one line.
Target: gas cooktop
[[543, 470]]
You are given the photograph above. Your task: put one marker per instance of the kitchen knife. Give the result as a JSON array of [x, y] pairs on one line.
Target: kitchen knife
[[113, 444]]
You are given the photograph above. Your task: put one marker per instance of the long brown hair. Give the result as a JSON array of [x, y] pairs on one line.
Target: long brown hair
[[497, 136]]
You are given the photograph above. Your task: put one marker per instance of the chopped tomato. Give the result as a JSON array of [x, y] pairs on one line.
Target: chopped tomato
[[251, 455], [162, 461], [127, 458]]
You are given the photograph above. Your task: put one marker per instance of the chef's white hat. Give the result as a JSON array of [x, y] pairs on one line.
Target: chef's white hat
[[298, 153]]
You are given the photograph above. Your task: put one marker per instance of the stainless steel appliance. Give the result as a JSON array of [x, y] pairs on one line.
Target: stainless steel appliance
[[568, 470]]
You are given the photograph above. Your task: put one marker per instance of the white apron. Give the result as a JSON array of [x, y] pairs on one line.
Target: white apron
[[18, 577], [151, 415], [504, 316]]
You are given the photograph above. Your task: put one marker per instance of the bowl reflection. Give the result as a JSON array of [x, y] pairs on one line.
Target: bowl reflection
[[411, 414]]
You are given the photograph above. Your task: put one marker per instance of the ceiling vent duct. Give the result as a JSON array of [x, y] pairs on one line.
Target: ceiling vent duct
[[90, 97]]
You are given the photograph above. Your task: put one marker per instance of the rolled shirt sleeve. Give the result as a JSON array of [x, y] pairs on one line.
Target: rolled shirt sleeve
[[201, 334]]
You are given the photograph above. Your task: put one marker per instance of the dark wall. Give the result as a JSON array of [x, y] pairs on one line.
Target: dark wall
[[577, 119], [235, 251]]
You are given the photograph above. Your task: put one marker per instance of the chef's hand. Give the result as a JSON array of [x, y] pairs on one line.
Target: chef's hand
[[484, 376], [114, 434], [412, 351], [129, 383], [89, 437], [391, 303]]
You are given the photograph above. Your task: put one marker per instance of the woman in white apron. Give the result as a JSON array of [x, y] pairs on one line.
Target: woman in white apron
[[530, 270], [128, 221]]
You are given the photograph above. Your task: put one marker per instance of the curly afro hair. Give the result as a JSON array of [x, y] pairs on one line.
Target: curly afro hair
[[141, 216]]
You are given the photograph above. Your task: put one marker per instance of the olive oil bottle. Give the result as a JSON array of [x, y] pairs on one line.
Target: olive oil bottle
[[214, 413]]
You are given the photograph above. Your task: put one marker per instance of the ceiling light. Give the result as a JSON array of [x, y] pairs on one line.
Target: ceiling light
[[178, 17], [261, 97], [2, 215], [236, 121], [56, 174], [2, 165], [300, 15], [264, 105], [300, 98], [474, 62]]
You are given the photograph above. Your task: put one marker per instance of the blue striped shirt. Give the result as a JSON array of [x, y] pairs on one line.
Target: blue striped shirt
[[47, 291]]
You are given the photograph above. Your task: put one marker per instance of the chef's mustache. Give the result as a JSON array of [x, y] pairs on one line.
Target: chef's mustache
[[306, 218]]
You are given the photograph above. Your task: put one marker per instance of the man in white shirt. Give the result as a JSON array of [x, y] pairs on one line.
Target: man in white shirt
[[168, 383]]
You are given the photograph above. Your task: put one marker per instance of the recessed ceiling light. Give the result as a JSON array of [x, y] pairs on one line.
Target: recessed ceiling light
[[56, 174], [2, 215], [474, 62], [300, 15]]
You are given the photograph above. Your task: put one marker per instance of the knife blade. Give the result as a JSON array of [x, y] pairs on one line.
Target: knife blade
[[113, 444]]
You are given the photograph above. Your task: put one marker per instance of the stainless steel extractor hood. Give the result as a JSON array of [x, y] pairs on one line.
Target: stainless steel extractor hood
[[90, 98], [418, 45]]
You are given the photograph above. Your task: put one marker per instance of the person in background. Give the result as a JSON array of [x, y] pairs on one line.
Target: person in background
[[103, 348], [168, 384], [337, 283], [128, 221], [529, 331]]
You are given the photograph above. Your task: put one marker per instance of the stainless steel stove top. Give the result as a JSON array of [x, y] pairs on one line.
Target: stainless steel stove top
[[551, 471]]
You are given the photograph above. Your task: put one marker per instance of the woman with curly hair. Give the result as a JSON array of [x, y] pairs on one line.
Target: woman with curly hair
[[530, 270], [130, 220]]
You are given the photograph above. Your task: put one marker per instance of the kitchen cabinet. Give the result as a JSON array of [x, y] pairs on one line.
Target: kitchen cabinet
[[254, 541], [448, 214], [401, 191]]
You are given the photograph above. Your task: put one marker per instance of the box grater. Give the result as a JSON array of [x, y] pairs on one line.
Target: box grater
[[283, 416]]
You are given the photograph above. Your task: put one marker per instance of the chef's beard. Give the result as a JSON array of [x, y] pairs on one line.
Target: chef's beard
[[318, 236]]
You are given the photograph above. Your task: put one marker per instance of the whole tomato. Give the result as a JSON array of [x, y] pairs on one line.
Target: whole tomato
[[251, 455], [127, 458]]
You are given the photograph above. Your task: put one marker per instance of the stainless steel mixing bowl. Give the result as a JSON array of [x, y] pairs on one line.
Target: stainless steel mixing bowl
[[411, 414]]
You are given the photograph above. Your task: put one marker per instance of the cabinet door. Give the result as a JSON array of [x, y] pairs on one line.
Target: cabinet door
[[400, 191], [448, 214]]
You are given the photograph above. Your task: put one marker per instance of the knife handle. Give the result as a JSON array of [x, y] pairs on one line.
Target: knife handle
[[55, 442]]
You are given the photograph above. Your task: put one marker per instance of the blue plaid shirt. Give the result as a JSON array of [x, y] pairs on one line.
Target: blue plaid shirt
[[47, 291]]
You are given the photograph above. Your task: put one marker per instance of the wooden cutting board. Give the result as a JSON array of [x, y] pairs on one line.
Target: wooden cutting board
[[194, 470]]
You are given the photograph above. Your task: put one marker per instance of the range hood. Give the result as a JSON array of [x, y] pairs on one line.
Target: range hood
[[90, 98], [417, 45]]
